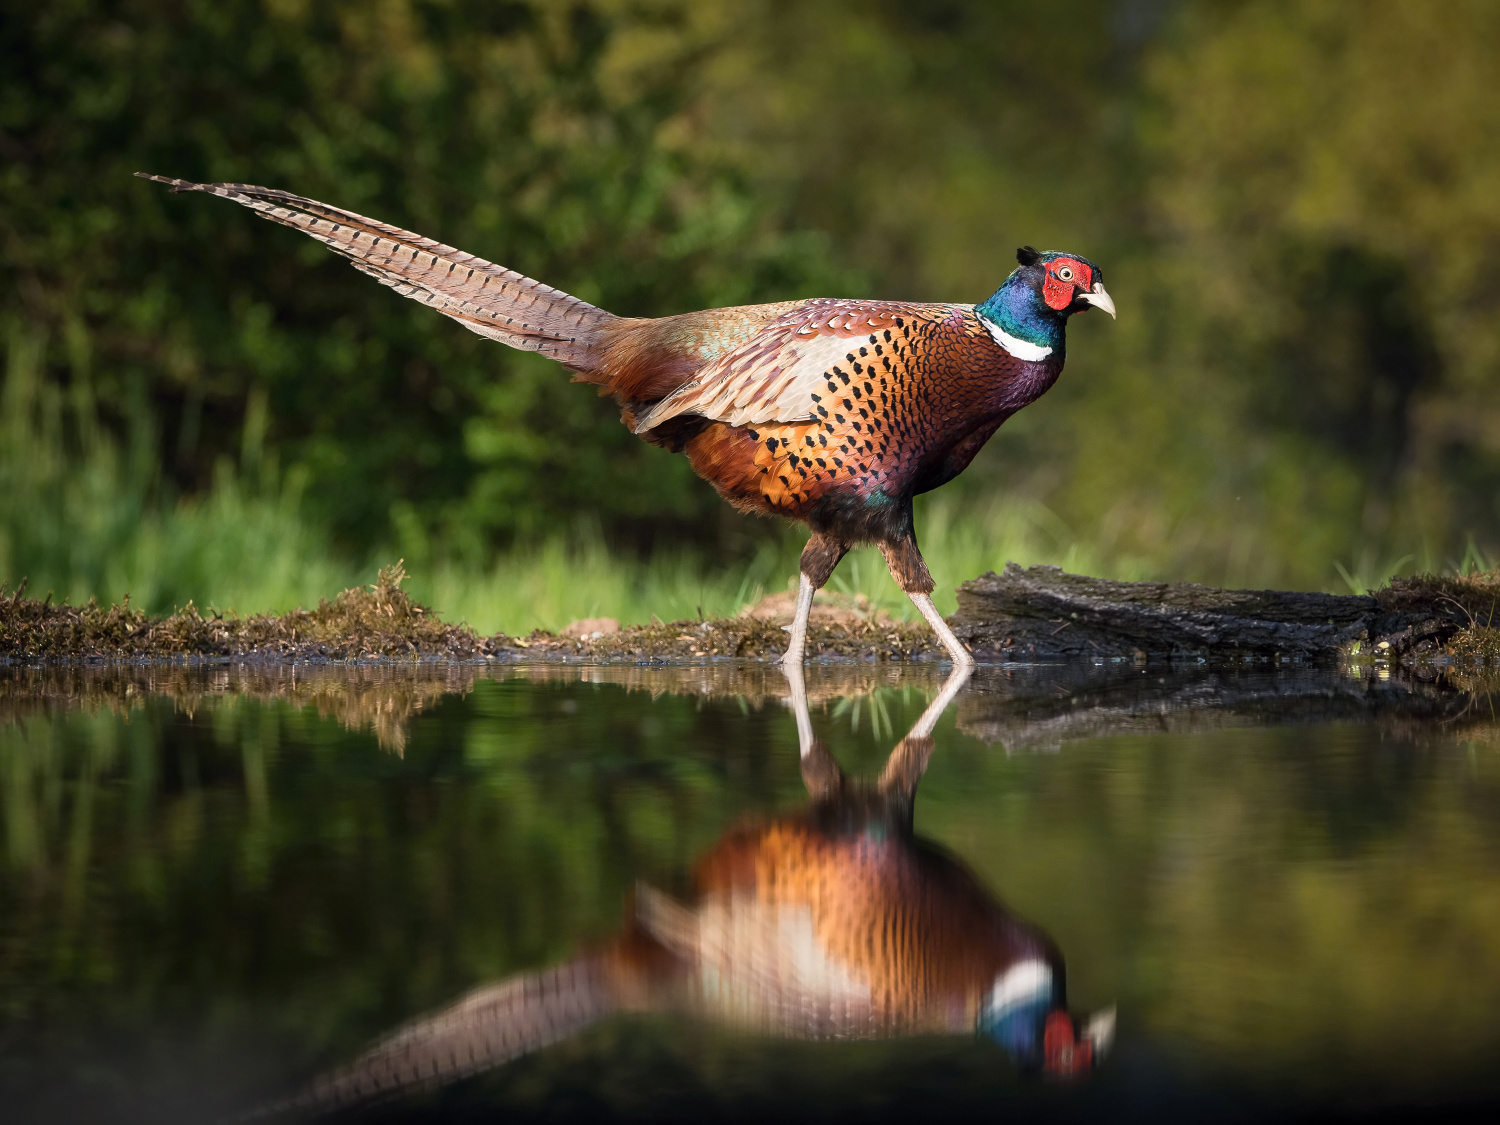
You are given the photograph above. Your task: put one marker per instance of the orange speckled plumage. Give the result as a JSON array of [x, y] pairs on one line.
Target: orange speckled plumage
[[916, 934], [894, 403]]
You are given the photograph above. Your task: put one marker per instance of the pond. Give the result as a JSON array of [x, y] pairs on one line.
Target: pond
[[464, 892]]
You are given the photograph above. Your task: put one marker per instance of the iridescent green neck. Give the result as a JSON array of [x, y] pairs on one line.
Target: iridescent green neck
[[1018, 310]]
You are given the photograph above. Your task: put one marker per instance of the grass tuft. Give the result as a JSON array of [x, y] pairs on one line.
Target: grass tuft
[[377, 620]]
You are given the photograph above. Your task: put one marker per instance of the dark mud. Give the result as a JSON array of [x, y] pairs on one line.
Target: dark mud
[[382, 622]]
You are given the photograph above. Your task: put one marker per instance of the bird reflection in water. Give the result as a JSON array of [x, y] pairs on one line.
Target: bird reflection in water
[[835, 922]]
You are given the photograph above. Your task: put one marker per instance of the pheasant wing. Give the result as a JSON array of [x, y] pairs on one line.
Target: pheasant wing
[[782, 374]]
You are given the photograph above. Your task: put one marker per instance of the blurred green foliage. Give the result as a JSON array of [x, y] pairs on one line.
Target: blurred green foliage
[[548, 137], [1297, 206]]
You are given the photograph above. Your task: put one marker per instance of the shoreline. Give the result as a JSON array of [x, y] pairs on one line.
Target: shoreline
[[1021, 616]]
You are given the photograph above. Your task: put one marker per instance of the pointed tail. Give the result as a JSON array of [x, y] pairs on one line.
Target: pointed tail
[[485, 298], [486, 1028]]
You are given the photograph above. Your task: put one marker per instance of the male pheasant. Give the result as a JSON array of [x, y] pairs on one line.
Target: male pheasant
[[832, 412], [835, 921]]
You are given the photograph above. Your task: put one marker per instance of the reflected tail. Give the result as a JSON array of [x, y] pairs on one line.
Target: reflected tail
[[486, 1028]]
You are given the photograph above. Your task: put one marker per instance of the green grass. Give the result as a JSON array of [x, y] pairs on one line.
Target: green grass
[[92, 522], [1371, 571], [251, 552], [562, 580], [83, 515]]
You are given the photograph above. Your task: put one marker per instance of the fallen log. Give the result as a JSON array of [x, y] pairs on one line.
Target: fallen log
[[1044, 613]]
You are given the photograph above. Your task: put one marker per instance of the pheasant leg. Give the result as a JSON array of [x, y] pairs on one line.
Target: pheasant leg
[[951, 687], [961, 656], [819, 557], [798, 627], [908, 761], [792, 670], [910, 571]]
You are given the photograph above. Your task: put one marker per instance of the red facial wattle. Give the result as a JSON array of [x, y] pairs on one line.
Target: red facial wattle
[[1057, 291], [1064, 1056]]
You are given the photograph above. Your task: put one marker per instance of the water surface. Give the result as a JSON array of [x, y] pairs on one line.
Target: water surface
[[221, 884]]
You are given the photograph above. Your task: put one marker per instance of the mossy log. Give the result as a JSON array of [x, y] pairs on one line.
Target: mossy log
[[1041, 612]]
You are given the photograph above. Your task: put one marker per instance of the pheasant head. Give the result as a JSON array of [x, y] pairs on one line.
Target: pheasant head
[[1025, 1015], [1028, 314]]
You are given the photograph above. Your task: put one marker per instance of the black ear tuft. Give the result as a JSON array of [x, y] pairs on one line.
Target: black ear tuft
[[1028, 255]]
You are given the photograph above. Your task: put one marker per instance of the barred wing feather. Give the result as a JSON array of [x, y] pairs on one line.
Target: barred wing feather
[[484, 1029], [782, 374]]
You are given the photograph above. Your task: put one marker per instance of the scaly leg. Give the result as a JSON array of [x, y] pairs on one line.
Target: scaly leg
[[962, 658], [793, 673], [819, 557], [798, 628], [910, 572]]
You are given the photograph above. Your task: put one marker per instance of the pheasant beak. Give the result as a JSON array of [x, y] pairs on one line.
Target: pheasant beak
[[1099, 298], [1100, 1032]]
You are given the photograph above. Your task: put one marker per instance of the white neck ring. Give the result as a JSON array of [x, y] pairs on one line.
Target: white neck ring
[[1017, 347]]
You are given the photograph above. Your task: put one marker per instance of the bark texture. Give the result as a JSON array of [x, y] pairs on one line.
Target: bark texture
[[1041, 612]]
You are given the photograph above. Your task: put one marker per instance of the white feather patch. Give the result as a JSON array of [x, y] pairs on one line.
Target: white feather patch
[[760, 384], [1017, 347], [1027, 982]]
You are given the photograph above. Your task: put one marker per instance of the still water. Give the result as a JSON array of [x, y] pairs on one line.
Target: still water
[[466, 893]]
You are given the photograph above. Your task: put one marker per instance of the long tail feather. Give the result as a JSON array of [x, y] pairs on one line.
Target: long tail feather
[[488, 1027], [485, 298]]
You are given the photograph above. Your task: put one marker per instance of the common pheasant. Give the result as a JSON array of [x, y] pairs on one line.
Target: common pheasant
[[832, 412], [833, 922]]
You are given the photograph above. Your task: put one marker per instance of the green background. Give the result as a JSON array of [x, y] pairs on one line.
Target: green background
[[1296, 206]]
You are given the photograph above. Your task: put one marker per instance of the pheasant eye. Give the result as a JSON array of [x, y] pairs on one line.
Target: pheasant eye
[[1065, 274]]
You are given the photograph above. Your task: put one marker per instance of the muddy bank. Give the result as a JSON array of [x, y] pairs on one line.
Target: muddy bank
[[1019, 615], [382, 622]]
